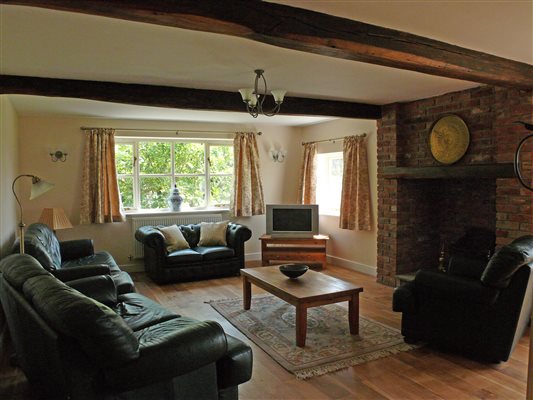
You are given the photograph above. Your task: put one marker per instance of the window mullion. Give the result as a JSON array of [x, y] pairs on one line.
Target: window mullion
[[136, 182], [207, 176], [172, 166]]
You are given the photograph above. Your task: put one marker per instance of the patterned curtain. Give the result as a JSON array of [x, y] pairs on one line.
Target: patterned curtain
[[247, 199], [307, 190], [100, 198], [355, 200]]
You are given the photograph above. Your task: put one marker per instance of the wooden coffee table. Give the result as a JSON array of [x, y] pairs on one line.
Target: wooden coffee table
[[312, 289]]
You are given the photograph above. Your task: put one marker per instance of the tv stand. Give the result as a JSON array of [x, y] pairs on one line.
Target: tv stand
[[281, 250]]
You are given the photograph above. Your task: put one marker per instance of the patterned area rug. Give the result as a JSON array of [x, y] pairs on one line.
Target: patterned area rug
[[329, 346]]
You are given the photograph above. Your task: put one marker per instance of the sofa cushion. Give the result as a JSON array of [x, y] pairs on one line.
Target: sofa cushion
[[213, 233], [122, 279], [214, 252], [100, 258], [183, 256], [18, 268], [41, 243], [506, 261], [140, 312], [467, 266], [174, 239], [103, 335]]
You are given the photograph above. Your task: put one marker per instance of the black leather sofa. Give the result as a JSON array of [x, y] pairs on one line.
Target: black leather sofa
[[477, 309], [101, 345], [72, 259], [197, 262]]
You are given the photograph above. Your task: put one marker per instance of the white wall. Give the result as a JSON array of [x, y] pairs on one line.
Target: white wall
[[9, 157], [353, 249], [40, 135]]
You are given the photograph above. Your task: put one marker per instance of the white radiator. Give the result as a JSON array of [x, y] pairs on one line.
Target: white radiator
[[167, 220]]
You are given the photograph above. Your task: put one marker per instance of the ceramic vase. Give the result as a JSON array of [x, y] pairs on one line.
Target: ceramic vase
[[175, 199]]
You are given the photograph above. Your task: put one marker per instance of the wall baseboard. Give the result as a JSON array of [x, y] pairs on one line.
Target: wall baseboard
[[252, 256], [133, 267], [342, 262]]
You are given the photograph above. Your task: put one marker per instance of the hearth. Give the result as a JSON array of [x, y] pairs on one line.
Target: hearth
[[423, 204]]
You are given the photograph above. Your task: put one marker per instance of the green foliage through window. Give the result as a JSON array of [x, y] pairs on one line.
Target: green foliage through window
[[147, 171]]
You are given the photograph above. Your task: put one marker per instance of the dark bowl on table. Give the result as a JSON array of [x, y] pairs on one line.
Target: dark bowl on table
[[293, 270]]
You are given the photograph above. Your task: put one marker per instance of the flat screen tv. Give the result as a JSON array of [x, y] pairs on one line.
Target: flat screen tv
[[292, 220]]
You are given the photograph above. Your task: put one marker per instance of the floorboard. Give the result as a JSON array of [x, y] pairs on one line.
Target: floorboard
[[423, 373]]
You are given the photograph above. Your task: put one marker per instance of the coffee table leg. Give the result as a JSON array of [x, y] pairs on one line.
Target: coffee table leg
[[353, 314], [301, 325], [246, 293]]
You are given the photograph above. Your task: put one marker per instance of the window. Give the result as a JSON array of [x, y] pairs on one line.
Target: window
[[329, 182], [148, 169]]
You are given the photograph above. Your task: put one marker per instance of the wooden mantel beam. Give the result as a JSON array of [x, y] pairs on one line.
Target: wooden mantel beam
[[309, 31], [175, 97]]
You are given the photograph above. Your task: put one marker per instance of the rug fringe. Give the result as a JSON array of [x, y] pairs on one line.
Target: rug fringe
[[343, 364]]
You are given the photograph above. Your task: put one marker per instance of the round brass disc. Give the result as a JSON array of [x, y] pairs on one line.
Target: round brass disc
[[449, 139]]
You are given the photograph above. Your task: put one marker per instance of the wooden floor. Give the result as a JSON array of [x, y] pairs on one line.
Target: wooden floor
[[419, 374]]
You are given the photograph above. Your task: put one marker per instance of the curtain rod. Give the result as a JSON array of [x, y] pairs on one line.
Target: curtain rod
[[177, 131], [332, 140]]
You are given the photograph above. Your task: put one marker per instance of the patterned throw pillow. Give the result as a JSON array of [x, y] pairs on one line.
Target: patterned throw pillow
[[174, 239], [213, 233]]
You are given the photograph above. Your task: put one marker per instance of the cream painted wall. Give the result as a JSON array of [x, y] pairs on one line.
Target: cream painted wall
[[8, 171], [40, 135], [353, 249]]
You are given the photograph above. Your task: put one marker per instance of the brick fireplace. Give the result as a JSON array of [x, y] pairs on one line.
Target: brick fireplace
[[422, 204]]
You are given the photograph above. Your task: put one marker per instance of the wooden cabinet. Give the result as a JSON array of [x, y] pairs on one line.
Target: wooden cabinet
[[281, 250]]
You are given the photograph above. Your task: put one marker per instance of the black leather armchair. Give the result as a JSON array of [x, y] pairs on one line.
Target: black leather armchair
[[194, 263], [481, 315], [72, 259], [85, 341]]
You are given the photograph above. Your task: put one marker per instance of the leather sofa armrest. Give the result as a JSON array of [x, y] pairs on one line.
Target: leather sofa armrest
[[404, 299], [100, 288], [454, 289], [83, 271], [237, 234], [235, 367], [72, 249], [168, 352], [151, 237]]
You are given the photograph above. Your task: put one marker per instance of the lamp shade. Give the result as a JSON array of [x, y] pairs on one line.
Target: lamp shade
[[55, 218], [278, 95], [246, 94], [39, 187]]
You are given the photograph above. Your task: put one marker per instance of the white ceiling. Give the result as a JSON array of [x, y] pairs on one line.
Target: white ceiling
[[47, 43]]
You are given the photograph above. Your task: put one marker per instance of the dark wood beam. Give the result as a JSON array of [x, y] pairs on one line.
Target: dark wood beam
[[473, 171], [309, 31], [175, 97]]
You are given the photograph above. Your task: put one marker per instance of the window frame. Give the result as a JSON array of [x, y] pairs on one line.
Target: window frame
[[207, 174]]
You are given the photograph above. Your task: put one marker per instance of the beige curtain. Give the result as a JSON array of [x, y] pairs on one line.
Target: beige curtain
[[307, 190], [100, 198], [247, 199], [355, 200]]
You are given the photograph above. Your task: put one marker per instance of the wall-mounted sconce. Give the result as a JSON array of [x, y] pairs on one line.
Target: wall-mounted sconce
[[58, 155], [278, 155]]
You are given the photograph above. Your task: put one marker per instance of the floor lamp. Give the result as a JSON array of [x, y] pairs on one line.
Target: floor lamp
[[529, 392], [38, 187]]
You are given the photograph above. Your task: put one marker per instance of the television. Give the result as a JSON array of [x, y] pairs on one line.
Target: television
[[292, 220]]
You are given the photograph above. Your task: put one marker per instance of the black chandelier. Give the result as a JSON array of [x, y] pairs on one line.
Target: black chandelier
[[254, 99]]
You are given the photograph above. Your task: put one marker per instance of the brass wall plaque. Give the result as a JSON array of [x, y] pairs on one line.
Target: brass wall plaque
[[449, 139]]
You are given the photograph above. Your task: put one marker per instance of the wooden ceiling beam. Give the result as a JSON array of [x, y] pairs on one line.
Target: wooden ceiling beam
[[312, 32], [175, 97]]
